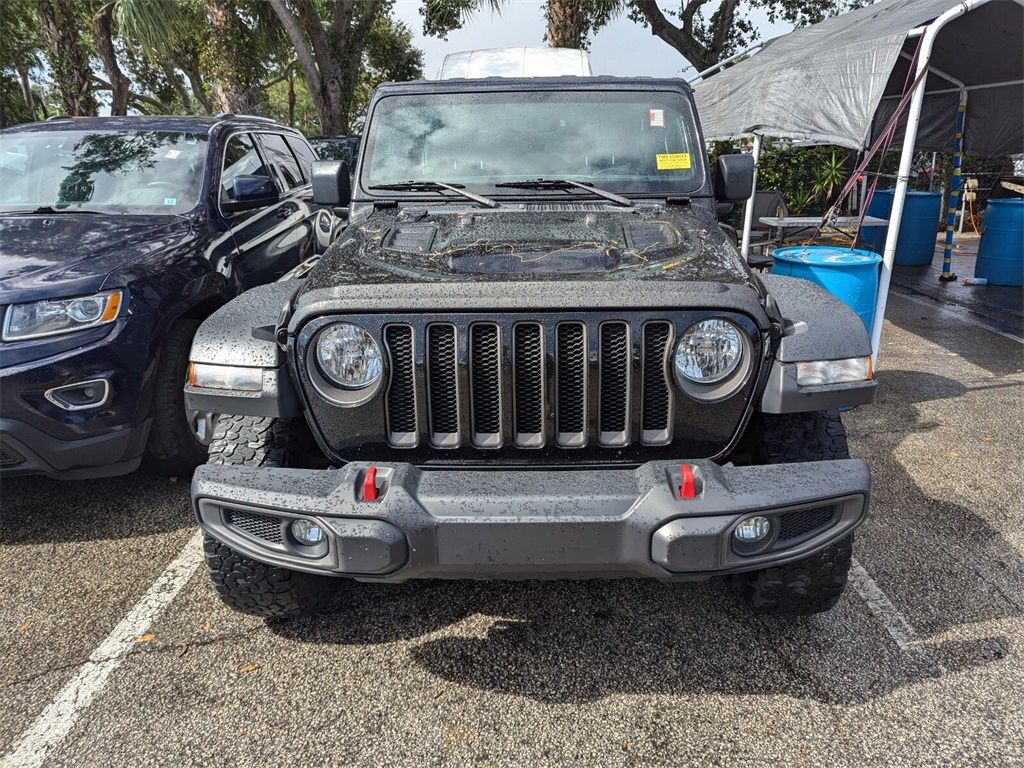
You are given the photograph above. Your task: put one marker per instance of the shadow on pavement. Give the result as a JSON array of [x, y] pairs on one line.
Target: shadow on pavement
[[37, 509]]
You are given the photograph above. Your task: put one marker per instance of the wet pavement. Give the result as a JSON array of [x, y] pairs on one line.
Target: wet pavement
[[921, 663]]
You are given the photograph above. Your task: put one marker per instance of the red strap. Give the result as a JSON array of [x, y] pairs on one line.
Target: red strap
[[370, 484], [688, 489]]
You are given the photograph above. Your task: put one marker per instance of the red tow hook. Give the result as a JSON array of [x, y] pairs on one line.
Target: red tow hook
[[370, 484], [688, 488]]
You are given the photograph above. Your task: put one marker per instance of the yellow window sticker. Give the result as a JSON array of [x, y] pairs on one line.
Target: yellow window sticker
[[673, 162]]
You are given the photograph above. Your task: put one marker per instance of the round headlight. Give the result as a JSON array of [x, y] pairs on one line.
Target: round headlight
[[709, 351], [349, 357]]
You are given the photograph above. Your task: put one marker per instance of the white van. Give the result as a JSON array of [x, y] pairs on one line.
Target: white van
[[516, 62]]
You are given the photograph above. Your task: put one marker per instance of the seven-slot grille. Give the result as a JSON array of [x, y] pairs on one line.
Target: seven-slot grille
[[529, 383]]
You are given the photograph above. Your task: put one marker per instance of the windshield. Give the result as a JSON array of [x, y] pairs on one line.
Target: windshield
[[122, 172], [622, 141]]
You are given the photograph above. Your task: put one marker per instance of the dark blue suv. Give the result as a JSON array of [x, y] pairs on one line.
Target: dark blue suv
[[118, 236]]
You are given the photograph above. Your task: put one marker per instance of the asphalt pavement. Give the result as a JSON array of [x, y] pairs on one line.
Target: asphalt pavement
[[115, 651]]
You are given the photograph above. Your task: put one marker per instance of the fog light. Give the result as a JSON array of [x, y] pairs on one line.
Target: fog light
[[753, 529], [308, 533]]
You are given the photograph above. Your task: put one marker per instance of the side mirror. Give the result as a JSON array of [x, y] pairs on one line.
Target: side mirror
[[734, 177], [249, 192], [331, 183]]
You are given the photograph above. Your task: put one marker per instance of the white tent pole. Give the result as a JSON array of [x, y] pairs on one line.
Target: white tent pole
[[902, 176], [725, 62], [748, 211]]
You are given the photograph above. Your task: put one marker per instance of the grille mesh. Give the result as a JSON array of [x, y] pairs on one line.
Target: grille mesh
[[402, 391], [529, 379], [486, 375], [572, 361], [793, 525], [614, 377], [443, 380], [656, 386], [266, 527]]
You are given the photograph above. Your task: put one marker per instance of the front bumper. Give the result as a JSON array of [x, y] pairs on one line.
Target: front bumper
[[531, 524]]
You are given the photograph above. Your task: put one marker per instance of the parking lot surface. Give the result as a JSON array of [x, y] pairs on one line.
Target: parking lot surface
[[114, 650]]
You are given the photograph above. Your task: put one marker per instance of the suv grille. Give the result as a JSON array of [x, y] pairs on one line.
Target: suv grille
[[530, 383]]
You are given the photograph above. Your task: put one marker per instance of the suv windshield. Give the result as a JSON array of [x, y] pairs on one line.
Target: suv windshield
[[111, 172], [623, 141]]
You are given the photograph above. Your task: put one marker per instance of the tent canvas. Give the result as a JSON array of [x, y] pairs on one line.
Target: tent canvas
[[830, 82]]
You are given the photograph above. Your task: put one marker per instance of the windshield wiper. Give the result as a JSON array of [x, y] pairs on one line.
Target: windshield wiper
[[46, 209], [435, 186], [567, 184]]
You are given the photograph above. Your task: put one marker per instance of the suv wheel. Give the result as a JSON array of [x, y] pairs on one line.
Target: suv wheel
[[179, 438], [813, 584], [248, 585]]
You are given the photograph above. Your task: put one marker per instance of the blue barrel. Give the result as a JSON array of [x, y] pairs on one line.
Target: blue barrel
[[1001, 250], [848, 274], [916, 244]]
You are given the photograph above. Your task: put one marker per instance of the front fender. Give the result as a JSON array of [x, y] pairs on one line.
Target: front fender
[[816, 325], [226, 339]]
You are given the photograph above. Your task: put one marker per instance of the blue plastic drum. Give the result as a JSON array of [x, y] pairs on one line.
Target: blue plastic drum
[[916, 244], [1001, 250], [849, 275]]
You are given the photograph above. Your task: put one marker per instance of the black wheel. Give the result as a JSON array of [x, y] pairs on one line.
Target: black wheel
[[179, 438], [248, 585], [813, 584]]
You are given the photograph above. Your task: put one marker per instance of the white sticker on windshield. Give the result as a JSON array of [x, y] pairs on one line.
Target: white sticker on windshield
[[170, 201], [657, 118], [173, 153]]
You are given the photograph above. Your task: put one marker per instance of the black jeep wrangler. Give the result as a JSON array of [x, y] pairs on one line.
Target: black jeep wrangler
[[532, 354]]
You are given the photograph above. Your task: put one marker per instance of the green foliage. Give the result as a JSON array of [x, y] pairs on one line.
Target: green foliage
[[804, 174]]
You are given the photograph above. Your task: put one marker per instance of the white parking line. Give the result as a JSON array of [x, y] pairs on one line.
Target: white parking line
[[59, 717], [895, 623]]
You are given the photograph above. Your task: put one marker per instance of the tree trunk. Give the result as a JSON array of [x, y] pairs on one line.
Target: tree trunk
[[684, 39], [119, 84], [26, 88], [565, 23], [69, 62], [233, 91]]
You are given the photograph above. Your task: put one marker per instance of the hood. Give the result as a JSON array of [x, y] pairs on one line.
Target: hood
[[68, 253], [557, 242]]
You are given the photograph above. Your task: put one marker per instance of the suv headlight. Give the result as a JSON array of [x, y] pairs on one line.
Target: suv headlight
[[348, 356], [55, 316], [709, 351], [712, 360]]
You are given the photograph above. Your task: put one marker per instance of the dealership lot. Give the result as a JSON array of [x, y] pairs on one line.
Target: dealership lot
[[921, 663]]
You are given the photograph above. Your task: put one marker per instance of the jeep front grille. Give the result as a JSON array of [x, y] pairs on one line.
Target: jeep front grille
[[527, 383]]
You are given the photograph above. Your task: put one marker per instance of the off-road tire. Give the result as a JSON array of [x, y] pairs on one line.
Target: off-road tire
[[172, 447], [813, 584], [248, 585]]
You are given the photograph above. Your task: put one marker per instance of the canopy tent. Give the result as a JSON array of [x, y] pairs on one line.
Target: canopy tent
[[839, 81]]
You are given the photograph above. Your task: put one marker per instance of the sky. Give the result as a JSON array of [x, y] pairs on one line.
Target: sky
[[622, 48]]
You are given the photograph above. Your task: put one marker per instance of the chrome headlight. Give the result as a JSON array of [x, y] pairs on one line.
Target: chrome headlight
[[348, 356], [52, 317], [709, 351]]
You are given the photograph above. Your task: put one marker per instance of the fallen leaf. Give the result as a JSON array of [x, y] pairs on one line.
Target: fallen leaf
[[145, 638], [249, 668], [207, 627], [25, 626]]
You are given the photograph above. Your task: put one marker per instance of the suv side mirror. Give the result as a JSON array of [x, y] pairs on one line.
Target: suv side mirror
[[734, 177], [331, 183], [249, 192]]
